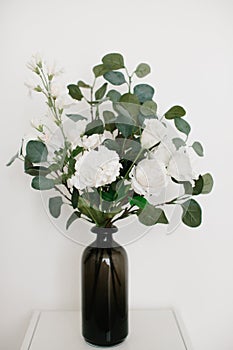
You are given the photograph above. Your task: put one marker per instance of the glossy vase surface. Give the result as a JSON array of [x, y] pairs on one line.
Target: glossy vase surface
[[104, 290]]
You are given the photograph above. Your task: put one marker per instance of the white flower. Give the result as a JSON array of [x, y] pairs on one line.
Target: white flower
[[96, 168], [148, 177], [92, 141], [53, 71], [35, 62], [153, 133], [163, 152], [180, 166], [55, 90], [64, 101]]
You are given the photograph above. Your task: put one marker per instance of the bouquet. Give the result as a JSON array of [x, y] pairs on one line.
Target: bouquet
[[117, 159]]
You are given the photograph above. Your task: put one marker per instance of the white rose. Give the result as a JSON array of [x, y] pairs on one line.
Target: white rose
[[92, 141], [96, 168], [153, 133], [180, 166], [148, 177], [163, 152]]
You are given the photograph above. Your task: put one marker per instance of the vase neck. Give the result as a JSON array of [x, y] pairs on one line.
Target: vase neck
[[104, 236]]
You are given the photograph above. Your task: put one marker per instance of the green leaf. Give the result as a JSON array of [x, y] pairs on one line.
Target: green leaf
[[101, 91], [37, 171], [42, 183], [139, 201], [208, 183], [178, 142], [142, 70], [76, 151], [125, 125], [115, 78], [129, 98], [192, 214], [149, 108], [112, 145], [144, 92], [36, 151], [113, 61], [76, 117], [55, 205], [13, 159], [114, 95], [150, 216], [199, 183], [182, 126], [94, 127], [74, 198], [188, 189], [198, 148], [100, 70], [109, 120], [83, 85], [74, 216], [175, 112], [75, 92]]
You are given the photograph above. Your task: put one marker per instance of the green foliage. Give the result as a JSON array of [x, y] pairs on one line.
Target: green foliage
[[208, 183], [139, 201], [42, 183], [149, 108], [109, 120], [114, 95], [115, 78], [129, 98], [175, 112], [142, 70], [178, 142], [197, 147], [192, 214], [55, 204], [74, 198], [113, 61], [100, 70], [11, 161], [83, 85], [76, 117], [75, 92], [99, 94], [151, 215], [74, 216], [182, 126], [144, 92], [36, 151], [94, 127]]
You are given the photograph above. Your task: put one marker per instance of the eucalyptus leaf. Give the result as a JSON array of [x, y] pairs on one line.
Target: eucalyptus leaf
[[42, 183], [144, 92], [36, 151], [178, 142], [112, 145], [99, 94], [74, 216], [198, 186], [94, 127], [208, 183], [182, 126], [150, 216], [113, 61], [142, 70], [175, 112], [76, 117], [74, 198], [115, 78], [75, 92], [11, 161], [198, 148], [109, 120], [55, 204], [100, 70], [192, 214], [149, 108], [129, 98], [114, 95], [37, 171], [83, 85]]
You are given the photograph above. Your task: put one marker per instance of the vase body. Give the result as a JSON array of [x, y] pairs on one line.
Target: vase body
[[104, 290]]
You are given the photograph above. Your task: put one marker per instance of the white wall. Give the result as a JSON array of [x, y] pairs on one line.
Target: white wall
[[189, 45]]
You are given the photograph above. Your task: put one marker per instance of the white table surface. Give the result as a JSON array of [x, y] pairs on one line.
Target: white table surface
[[151, 329]]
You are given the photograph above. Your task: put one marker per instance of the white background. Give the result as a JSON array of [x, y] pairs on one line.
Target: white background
[[189, 46]]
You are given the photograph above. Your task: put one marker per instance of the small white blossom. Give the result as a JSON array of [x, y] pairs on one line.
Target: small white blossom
[[96, 168], [148, 177], [35, 62], [153, 133], [53, 71]]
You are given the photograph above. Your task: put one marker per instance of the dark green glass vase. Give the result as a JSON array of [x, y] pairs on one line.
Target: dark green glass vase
[[104, 290]]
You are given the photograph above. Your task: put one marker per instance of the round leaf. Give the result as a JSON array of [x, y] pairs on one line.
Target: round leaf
[[129, 98], [99, 70], [208, 183], [142, 70], [115, 78], [144, 92], [42, 183], [55, 204], [192, 214], [114, 95], [113, 61], [94, 127], [198, 148], [175, 112], [178, 142], [75, 92], [36, 151], [74, 216], [150, 216], [149, 108], [182, 126]]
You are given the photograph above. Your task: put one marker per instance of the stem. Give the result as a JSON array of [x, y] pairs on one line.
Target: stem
[[63, 194]]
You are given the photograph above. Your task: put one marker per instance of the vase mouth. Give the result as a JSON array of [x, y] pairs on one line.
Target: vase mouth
[[104, 230]]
